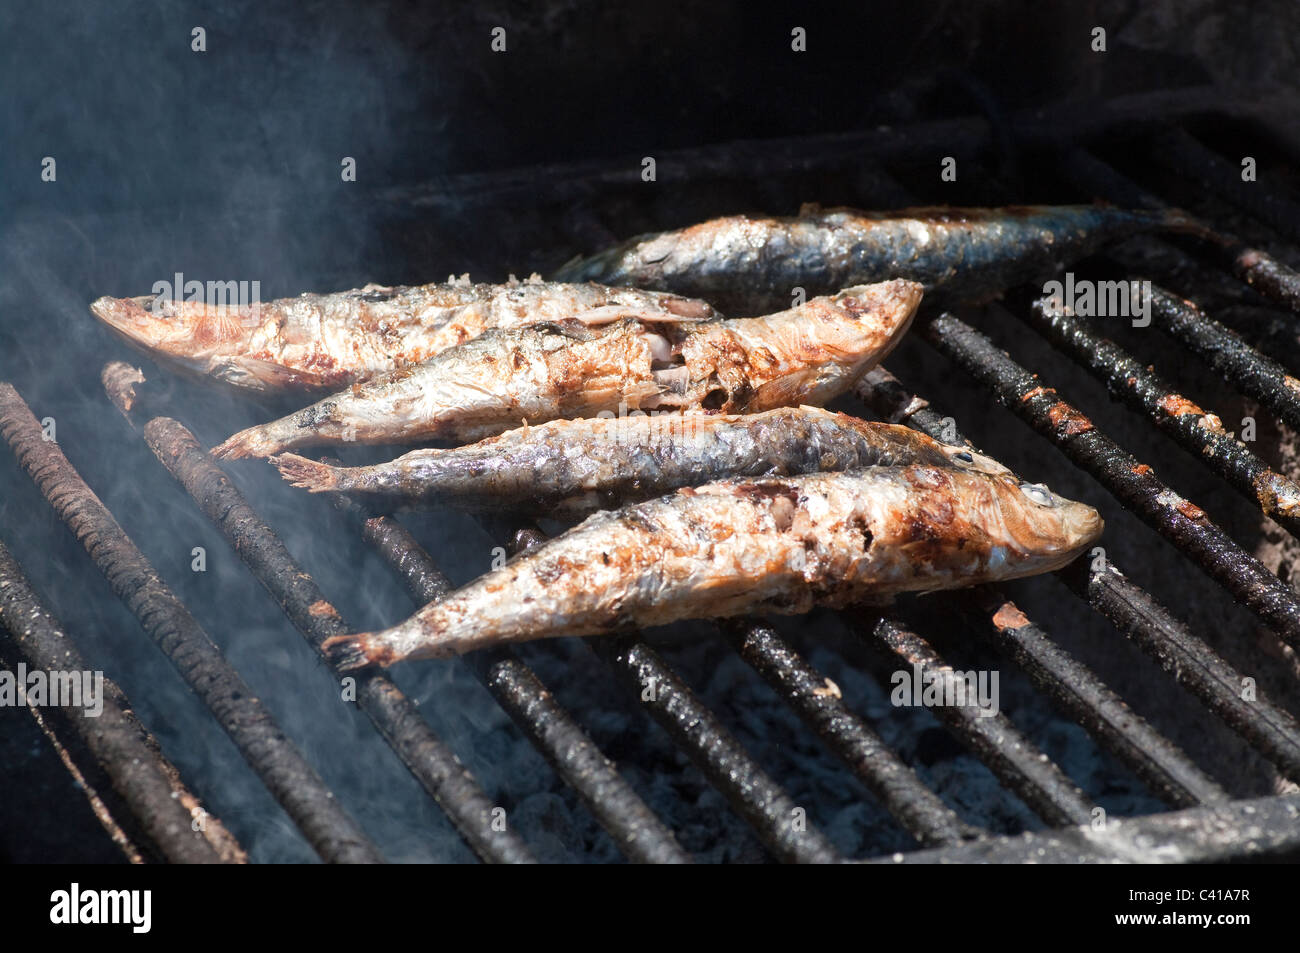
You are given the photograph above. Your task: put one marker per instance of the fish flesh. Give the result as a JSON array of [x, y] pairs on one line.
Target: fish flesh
[[750, 265], [781, 545], [807, 355], [571, 468], [320, 341]]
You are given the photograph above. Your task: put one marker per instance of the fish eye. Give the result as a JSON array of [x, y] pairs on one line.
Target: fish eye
[[1037, 492], [964, 457]]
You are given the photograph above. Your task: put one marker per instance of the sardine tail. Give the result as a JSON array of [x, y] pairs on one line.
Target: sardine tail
[[572, 270], [1177, 220], [253, 442], [348, 653], [307, 474]]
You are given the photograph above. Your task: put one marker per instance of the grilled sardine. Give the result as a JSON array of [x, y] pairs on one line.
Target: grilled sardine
[[320, 341], [570, 468], [780, 545], [806, 355], [750, 265]]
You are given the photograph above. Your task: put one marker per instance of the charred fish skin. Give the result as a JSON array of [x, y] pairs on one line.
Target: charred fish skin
[[571, 468], [806, 355], [781, 545], [319, 341], [748, 265]]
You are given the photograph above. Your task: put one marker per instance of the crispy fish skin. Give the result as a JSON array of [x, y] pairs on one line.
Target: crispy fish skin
[[317, 341], [570, 468], [748, 265], [780, 545], [806, 355]]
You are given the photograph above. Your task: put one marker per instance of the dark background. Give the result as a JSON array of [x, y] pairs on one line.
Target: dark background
[[225, 165]]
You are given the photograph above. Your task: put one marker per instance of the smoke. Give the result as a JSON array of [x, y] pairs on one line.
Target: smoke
[[224, 164]]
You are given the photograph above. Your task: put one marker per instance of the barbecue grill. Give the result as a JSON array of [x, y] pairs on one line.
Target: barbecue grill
[[1149, 690]]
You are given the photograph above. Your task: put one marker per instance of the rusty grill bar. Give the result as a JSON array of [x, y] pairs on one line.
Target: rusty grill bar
[[403, 727], [918, 809], [288, 775], [670, 701], [751, 791], [1133, 483], [1270, 729], [153, 798], [1087, 699], [1270, 277], [634, 827], [1197, 431], [1016, 760]]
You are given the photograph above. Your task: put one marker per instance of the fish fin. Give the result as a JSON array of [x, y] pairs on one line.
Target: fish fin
[[639, 394], [1177, 220], [306, 474], [571, 270], [215, 326], [784, 391], [257, 374], [350, 652]]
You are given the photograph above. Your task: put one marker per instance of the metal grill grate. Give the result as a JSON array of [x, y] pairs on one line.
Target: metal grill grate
[[1212, 828]]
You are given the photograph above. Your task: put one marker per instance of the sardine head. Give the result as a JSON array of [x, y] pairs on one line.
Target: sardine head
[[191, 332], [1048, 529]]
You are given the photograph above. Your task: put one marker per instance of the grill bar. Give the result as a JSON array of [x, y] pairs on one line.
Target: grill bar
[[1254, 374], [918, 809], [1130, 609], [747, 787], [761, 159], [1134, 484], [149, 787], [132, 844], [635, 828], [1261, 829], [1012, 757], [1270, 730], [1184, 154], [1160, 763], [268, 751], [669, 700], [427, 757], [1195, 430], [1257, 268]]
